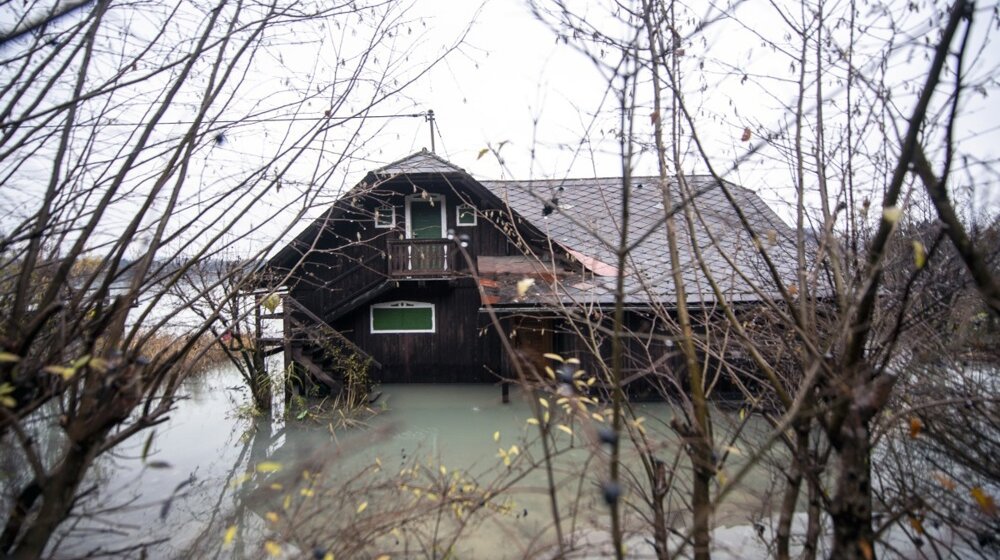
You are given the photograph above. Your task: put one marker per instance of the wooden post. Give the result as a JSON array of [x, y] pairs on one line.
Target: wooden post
[[286, 335], [505, 392]]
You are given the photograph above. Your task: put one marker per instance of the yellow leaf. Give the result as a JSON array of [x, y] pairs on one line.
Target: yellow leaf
[[919, 254], [64, 372], [721, 475], [543, 402], [985, 501], [523, 285], [384, 557], [307, 492], [362, 507], [444, 471], [891, 214], [271, 302], [513, 450], [277, 486], [496, 435], [227, 538], [287, 503], [328, 556], [532, 421], [482, 153], [272, 548], [238, 481], [6, 389], [552, 356], [7, 357], [743, 414], [565, 428], [268, 467], [271, 516]]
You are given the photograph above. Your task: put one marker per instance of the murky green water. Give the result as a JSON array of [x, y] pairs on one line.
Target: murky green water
[[202, 477]]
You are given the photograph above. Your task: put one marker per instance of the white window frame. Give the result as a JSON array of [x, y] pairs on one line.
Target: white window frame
[[392, 222], [401, 304], [439, 200], [458, 215]]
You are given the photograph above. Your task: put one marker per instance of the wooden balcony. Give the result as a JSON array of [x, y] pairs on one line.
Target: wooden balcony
[[422, 258]]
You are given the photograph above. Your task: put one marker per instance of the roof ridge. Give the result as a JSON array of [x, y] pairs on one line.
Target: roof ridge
[[423, 152], [695, 175]]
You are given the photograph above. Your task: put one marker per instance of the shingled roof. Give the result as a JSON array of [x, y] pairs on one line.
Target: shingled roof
[[420, 162], [583, 215]]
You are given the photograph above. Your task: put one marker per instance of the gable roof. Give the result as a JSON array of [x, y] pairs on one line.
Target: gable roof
[[419, 163]]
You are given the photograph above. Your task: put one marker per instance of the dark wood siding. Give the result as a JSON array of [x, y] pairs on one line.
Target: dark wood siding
[[459, 351], [349, 259]]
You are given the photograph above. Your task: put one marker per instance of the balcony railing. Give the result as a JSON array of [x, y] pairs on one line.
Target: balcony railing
[[422, 258]]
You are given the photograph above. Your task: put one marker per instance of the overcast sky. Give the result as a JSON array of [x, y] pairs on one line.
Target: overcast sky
[[514, 82]]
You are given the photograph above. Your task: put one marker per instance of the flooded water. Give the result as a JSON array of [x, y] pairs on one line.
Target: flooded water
[[210, 468]]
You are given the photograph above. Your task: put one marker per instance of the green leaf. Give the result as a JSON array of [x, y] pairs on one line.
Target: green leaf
[[919, 254], [147, 445]]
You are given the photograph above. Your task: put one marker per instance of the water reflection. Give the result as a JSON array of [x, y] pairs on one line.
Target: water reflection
[[226, 483]]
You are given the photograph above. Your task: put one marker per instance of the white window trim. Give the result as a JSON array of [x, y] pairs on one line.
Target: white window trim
[[378, 214], [439, 200], [458, 215], [401, 304]]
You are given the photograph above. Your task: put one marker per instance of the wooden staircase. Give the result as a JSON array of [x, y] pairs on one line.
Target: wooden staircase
[[320, 353]]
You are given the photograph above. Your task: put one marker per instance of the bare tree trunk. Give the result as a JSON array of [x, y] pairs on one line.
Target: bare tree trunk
[[810, 545], [792, 490], [659, 512], [853, 536], [58, 496]]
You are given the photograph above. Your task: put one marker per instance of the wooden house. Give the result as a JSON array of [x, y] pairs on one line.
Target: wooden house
[[412, 270]]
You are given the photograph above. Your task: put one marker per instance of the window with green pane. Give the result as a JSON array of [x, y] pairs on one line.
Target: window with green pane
[[402, 317]]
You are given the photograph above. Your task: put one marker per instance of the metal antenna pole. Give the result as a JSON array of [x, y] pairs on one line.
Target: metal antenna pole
[[430, 118]]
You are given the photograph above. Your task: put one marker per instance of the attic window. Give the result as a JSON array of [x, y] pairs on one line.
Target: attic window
[[465, 215], [385, 216], [402, 317]]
